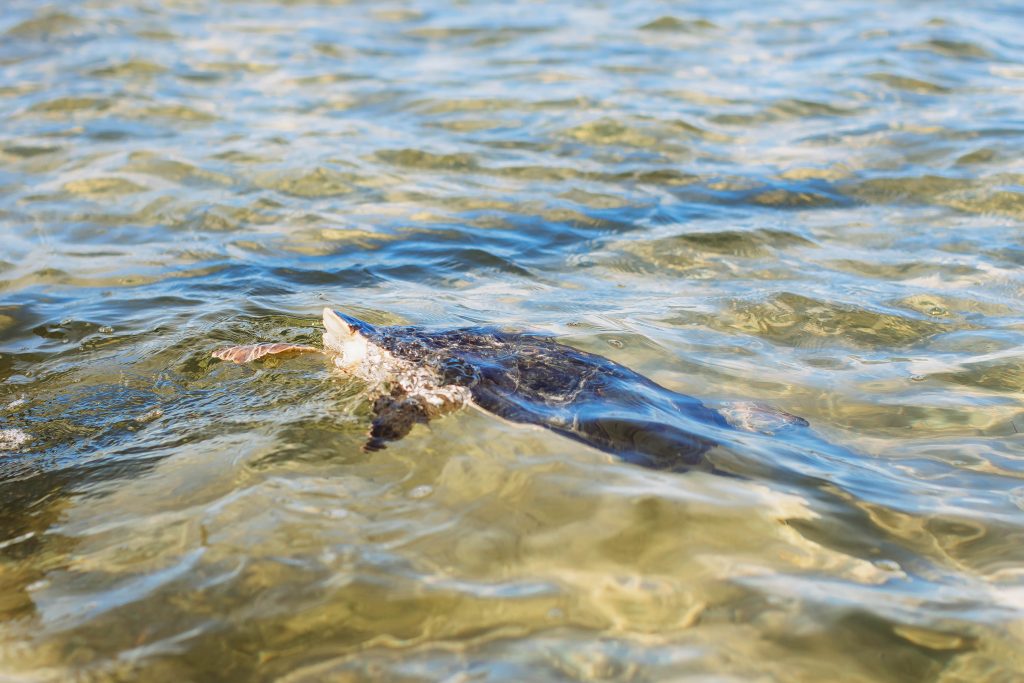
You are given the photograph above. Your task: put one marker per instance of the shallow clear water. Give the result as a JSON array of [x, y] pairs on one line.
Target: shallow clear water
[[816, 205]]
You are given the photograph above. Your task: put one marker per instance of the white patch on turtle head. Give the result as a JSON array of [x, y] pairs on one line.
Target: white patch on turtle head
[[343, 340]]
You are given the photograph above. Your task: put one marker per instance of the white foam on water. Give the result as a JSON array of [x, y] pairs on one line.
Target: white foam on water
[[12, 439]]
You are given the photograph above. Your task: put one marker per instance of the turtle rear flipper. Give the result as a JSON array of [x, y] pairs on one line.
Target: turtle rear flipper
[[251, 352], [752, 416]]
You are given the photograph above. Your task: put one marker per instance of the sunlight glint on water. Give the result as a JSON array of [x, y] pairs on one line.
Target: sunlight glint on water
[[817, 206]]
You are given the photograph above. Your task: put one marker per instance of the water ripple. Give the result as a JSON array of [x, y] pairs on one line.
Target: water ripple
[[817, 206]]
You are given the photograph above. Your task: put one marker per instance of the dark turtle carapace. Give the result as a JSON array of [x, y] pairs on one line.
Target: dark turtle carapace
[[415, 375]]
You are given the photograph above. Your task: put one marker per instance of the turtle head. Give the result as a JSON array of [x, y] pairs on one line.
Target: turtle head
[[344, 340]]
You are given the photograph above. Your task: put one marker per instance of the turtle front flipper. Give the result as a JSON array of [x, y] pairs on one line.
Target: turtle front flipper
[[395, 414], [251, 352]]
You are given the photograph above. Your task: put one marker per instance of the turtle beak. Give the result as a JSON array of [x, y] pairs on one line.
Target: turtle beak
[[336, 331], [343, 339]]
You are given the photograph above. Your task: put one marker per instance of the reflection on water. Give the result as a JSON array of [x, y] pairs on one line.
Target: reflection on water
[[817, 206]]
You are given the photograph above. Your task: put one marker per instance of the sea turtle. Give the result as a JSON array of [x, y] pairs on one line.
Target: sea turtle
[[414, 375]]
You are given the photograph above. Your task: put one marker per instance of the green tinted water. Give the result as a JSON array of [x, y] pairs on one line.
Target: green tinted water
[[819, 206]]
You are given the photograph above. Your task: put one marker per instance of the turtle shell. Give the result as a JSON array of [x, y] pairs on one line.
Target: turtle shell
[[534, 379]]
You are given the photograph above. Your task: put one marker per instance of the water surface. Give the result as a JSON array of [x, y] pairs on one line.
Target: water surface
[[815, 205]]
